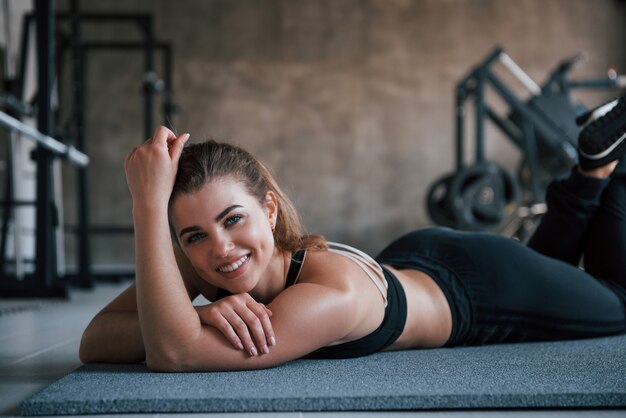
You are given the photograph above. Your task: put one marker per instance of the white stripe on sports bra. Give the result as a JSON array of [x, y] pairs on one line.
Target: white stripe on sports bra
[[373, 270]]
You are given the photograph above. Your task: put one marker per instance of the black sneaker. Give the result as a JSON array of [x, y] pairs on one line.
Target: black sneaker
[[604, 139]]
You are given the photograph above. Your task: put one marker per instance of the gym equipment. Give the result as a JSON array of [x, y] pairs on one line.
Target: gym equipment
[[437, 201], [46, 280], [59, 149], [480, 194], [51, 276], [153, 87]]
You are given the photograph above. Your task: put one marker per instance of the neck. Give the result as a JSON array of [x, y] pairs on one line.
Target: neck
[[274, 279]]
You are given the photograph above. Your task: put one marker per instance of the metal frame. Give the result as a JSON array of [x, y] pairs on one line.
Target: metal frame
[[145, 23], [45, 266], [544, 123], [152, 86], [84, 276], [533, 124], [45, 281], [46, 142]]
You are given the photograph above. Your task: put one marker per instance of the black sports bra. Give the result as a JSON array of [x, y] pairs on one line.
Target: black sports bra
[[395, 306], [389, 330]]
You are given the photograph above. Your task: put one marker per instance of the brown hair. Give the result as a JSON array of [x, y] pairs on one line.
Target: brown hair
[[206, 161]]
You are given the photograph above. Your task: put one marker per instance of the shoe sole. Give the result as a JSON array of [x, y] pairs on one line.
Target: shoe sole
[[605, 152], [595, 114]]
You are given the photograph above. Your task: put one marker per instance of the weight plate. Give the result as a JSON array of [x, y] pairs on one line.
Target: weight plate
[[437, 202], [482, 196]]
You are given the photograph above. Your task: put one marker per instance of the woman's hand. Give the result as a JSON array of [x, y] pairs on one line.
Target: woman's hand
[[151, 167], [243, 321]]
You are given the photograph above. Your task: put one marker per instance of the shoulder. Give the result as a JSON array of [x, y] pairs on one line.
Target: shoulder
[[338, 273], [333, 289], [327, 268]]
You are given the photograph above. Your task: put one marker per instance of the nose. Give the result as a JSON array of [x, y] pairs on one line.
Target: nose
[[222, 245]]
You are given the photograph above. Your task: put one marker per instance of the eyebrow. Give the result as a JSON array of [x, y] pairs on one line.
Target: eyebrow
[[219, 217], [226, 211]]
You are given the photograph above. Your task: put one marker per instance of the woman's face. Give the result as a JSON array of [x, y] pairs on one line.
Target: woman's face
[[226, 233]]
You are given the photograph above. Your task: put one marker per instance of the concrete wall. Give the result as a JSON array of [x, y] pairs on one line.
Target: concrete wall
[[350, 102]]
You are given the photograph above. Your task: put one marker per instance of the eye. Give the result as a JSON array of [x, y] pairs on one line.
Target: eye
[[194, 237], [233, 220]]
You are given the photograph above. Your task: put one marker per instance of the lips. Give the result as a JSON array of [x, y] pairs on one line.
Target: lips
[[234, 266]]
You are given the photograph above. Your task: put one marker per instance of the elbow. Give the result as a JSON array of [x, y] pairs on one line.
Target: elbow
[[85, 355], [171, 353], [170, 359], [88, 351], [90, 343], [164, 364], [161, 365]]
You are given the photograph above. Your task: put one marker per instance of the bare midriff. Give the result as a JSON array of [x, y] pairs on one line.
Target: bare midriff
[[429, 320]]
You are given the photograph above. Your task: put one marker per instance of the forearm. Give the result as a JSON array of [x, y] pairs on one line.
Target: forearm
[[167, 317], [113, 337]]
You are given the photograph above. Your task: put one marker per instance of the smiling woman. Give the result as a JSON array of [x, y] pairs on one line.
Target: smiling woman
[[210, 219], [223, 247]]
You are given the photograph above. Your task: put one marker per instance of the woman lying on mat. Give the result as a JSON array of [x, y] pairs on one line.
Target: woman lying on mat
[[210, 219]]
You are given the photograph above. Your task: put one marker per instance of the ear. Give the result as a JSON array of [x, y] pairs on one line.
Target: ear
[[271, 206]]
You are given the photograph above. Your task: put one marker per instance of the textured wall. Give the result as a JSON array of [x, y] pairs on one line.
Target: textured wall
[[350, 102]]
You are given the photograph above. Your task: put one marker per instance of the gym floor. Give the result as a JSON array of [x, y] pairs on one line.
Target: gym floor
[[39, 342]]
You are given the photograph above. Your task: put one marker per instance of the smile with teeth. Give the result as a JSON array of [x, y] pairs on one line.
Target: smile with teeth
[[234, 266]]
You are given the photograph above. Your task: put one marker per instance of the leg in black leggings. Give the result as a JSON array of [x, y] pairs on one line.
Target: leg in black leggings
[[572, 205], [605, 254], [587, 215], [533, 297]]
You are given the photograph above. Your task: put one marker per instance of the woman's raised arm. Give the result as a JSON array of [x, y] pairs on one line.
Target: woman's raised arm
[[124, 331], [166, 314]]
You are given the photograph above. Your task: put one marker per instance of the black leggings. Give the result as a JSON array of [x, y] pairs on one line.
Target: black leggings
[[587, 218], [502, 291]]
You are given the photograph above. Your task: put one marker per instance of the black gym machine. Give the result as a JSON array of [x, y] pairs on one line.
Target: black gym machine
[[52, 43], [45, 280], [153, 86], [483, 195]]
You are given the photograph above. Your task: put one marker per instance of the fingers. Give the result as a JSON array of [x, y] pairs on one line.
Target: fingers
[[244, 322], [162, 135], [245, 331], [166, 139], [253, 327], [176, 146], [226, 328], [262, 331]]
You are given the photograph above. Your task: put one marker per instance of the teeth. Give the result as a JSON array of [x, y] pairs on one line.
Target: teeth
[[232, 267]]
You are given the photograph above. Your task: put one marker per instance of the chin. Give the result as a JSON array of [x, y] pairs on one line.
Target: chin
[[244, 285]]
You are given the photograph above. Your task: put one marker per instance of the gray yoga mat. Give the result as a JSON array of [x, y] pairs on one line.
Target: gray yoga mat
[[583, 373]]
